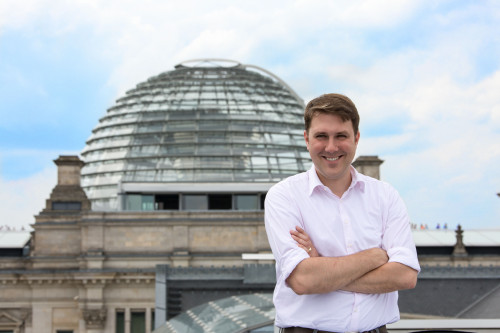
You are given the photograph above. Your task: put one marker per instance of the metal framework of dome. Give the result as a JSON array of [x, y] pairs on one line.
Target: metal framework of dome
[[236, 314], [208, 120]]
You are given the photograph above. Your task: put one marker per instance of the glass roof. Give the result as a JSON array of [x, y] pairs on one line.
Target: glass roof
[[243, 313], [13, 239], [207, 122]]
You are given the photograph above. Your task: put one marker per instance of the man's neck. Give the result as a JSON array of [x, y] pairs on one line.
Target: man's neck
[[337, 186]]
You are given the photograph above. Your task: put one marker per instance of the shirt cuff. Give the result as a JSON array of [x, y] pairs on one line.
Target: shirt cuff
[[404, 256], [290, 261]]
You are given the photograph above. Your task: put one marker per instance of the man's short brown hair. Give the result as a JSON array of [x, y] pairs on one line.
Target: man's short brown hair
[[335, 104]]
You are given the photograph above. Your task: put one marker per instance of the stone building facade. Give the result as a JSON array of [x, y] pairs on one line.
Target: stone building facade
[[87, 270]]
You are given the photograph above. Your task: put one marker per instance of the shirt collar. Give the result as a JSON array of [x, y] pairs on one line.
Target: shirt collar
[[314, 181]]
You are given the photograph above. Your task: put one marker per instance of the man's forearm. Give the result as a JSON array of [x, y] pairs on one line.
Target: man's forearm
[[318, 275], [389, 277]]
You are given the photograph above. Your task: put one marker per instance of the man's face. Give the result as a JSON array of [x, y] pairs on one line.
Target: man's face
[[332, 145]]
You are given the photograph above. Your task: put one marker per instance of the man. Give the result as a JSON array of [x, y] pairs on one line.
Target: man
[[341, 240]]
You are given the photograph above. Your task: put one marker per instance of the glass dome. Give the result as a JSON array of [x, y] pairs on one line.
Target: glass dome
[[209, 120], [252, 313]]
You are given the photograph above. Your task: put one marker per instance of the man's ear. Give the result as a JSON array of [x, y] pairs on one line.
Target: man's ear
[[357, 138], [307, 139]]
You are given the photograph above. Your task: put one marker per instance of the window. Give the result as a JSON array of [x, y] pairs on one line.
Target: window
[[262, 200], [210, 201], [139, 202], [138, 322], [167, 202], [194, 202], [120, 322], [220, 201], [153, 318], [246, 202]]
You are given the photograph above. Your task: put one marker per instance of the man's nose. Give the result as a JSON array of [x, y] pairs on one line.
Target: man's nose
[[331, 146]]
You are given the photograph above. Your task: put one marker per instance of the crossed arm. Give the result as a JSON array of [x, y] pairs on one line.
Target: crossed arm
[[366, 272]]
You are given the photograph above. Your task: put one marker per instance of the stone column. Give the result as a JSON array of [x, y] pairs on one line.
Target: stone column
[[368, 165], [127, 320], [148, 320], [42, 317]]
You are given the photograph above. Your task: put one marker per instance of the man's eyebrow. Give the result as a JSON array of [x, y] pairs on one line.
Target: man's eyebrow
[[327, 132]]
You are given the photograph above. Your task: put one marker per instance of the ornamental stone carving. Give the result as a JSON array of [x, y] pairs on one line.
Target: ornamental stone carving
[[94, 318]]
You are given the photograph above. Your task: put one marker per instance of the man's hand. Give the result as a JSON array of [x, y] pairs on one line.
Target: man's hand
[[303, 241]]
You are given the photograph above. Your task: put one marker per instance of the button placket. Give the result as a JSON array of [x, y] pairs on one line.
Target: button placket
[[347, 228]]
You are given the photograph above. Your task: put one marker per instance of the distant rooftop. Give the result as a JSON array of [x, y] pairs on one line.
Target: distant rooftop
[[12, 239], [447, 237]]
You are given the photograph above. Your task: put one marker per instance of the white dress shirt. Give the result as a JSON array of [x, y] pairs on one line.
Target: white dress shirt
[[369, 214]]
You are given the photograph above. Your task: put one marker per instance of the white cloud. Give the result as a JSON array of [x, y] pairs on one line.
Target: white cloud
[[21, 199], [429, 81]]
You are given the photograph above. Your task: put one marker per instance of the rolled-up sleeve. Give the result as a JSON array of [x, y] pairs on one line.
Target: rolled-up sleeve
[[398, 239], [281, 216]]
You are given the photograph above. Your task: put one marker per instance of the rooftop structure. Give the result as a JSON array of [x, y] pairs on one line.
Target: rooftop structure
[[207, 121]]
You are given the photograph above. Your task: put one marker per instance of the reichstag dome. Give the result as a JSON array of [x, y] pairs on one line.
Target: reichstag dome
[[165, 143]]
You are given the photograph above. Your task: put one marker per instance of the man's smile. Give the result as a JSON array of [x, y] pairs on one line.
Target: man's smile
[[331, 158]]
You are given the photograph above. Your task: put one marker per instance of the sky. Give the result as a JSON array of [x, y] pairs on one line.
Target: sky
[[424, 75]]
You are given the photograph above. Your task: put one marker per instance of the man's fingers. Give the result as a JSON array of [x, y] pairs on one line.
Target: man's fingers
[[299, 235], [299, 240]]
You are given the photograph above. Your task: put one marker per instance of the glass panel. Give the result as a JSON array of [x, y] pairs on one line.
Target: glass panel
[[214, 149], [212, 175], [259, 162], [211, 125], [133, 202], [212, 137], [280, 138], [305, 155], [148, 202], [288, 163], [184, 137], [273, 162], [298, 139], [194, 202], [139, 202], [246, 202]]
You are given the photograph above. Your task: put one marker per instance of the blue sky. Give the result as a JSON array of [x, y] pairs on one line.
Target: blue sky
[[425, 76]]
